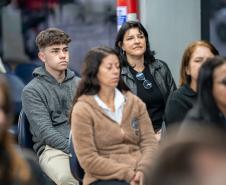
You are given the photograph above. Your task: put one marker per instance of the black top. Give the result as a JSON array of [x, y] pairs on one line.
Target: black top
[[151, 97], [179, 103]]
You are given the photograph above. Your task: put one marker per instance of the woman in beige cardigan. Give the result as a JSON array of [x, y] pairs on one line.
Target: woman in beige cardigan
[[111, 130]]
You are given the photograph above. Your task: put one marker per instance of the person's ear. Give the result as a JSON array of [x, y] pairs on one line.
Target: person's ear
[[41, 56], [120, 45], [187, 70]]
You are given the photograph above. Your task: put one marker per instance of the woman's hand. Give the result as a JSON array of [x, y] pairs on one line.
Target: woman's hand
[[138, 179], [158, 135]]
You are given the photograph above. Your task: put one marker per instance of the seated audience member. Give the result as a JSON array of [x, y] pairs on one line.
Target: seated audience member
[[147, 77], [111, 129], [183, 99], [211, 103], [15, 168], [196, 156], [46, 101]]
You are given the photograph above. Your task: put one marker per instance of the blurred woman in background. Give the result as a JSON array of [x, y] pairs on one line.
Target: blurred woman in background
[[196, 156], [12, 167], [211, 103], [14, 170], [183, 99]]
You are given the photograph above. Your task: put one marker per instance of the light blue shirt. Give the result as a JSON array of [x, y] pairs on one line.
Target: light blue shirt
[[119, 101]]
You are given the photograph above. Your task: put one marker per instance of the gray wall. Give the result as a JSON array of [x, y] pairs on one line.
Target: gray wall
[[171, 25]]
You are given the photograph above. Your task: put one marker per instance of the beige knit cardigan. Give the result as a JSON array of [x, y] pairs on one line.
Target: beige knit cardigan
[[108, 150]]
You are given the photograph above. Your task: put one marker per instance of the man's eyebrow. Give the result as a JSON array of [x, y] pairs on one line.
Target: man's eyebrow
[[55, 48]]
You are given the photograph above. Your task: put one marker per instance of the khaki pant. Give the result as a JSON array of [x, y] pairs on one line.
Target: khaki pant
[[55, 164]]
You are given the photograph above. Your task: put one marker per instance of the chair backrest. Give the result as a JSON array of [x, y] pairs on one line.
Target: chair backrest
[[16, 87], [25, 139], [24, 71], [75, 167], [24, 134]]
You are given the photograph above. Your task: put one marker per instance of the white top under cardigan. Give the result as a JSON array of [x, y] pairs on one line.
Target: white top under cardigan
[[119, 102]]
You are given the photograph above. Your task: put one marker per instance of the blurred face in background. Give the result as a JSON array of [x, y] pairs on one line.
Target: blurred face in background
[[199, 56], [210, 166], [219, 87]]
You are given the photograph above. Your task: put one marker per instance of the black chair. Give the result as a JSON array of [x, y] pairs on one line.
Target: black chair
[[24, 71], [25, 138], [76, 169], [24, 134], [16, 86]]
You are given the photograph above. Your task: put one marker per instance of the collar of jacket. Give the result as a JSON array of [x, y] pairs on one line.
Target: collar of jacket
[[89, 99], [187, 90], [152, 67], [41, 72]]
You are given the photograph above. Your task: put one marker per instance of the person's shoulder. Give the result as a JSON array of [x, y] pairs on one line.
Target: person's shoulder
[[129, 95], [37, 73], [33, 85], [85, 102], [71, 74], [159, 64], [178, 93], [185, 91], [76, 79]]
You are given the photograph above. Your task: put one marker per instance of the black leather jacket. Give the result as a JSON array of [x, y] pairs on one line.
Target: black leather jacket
[[161, 74]]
